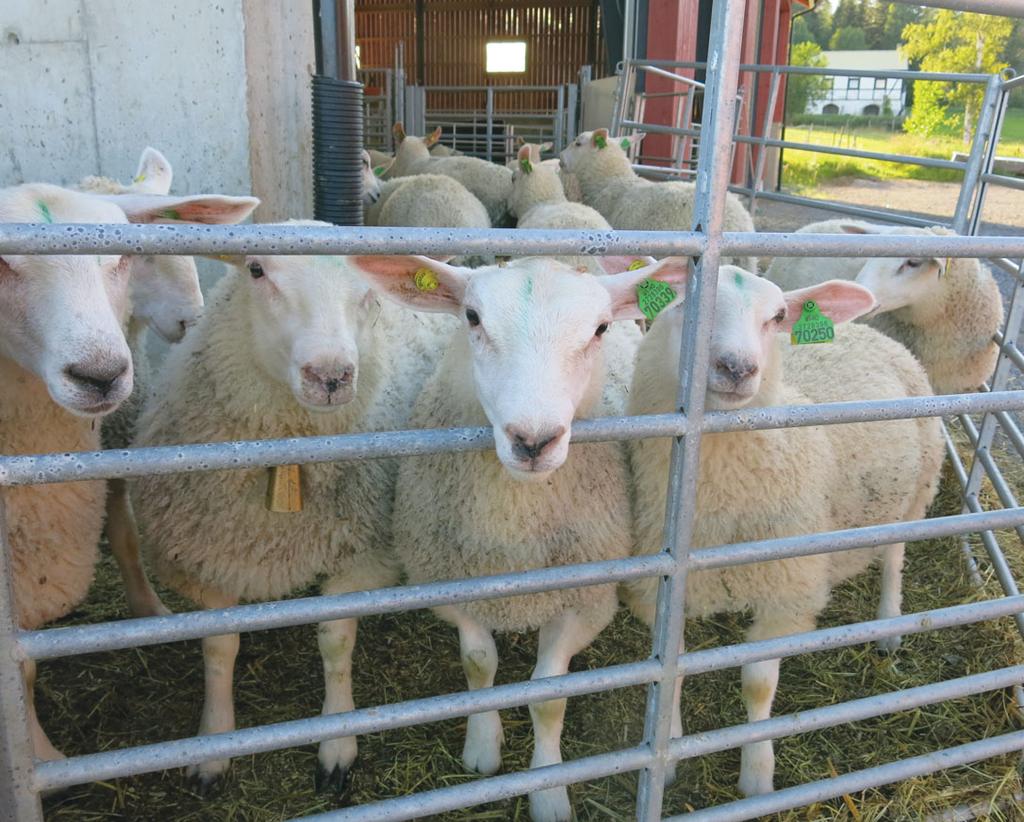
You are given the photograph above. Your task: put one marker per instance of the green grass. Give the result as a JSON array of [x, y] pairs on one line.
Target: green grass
[[807, 170]]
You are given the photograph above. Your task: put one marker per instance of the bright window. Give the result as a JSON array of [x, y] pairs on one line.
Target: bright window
[[506, 57]]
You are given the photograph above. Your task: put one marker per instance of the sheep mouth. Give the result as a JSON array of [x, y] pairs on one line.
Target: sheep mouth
[[734, 399]]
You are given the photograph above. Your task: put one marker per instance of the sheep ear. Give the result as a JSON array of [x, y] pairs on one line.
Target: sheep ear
[[154, 174], [383, 169], [227, 259], [524, 155], [520, 142], [399, 131], [600, 137], [839, 300], [433, 137], [631, 287], [853, 228], [626, 142], [544, 147], [616, 265], [199, 208], [416, 282]]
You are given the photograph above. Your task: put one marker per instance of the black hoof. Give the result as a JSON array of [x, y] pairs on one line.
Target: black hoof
[[335, 781]]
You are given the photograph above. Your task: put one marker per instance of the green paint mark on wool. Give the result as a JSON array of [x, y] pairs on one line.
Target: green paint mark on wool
[[44, 209], [738, 279], [527, 294], [171, 214]]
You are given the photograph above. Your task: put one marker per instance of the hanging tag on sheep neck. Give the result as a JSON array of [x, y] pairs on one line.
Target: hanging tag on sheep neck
[[284, 489], [812, 327], [652, 296]]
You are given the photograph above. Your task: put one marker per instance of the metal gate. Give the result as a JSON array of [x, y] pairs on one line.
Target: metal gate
[[21, 778]]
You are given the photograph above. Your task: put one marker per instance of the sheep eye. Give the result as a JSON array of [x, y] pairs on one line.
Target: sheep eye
[[913, 263], [780, 316], [601, 329], [472, 318], [256, 270]]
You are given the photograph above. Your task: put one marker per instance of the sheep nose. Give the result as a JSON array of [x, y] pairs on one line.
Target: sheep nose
[[98, 377], [330, 378], [735, 369], [530, 445]]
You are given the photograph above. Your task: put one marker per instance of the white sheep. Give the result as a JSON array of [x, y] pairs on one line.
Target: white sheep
[[490, 183], [945, 310], [538, 198], [165, 296], [785, 482], [627, 201], [64, 362], [288, 347], [570, 185], [527, 361]]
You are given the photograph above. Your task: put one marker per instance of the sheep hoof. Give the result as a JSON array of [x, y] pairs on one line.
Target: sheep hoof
[[888, 645], [335, 781], [205, 781], [551, 805]]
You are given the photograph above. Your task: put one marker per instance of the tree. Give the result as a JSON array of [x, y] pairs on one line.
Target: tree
[[804, 89], [819, 21], [850, 14], [801, 32], [897, 17], [848, 39], [953, 41]]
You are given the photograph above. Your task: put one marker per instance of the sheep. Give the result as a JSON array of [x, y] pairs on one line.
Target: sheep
[[570, 185], [384, 158], [488, 182], [610, 185], [165, 296], [539, 200], [64, 362], [288, 347], [777, 483], [946, 311], [527, 361]]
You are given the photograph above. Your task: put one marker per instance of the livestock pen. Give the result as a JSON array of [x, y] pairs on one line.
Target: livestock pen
[[948, 705]]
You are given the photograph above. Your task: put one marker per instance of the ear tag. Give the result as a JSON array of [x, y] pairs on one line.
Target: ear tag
[[652, 296], [624, 143], [379, 171], [284, 489], [812, 327], [600, 141], [140, 178], [944, 270], [633, 266], [526, 165], [171, 214], [44, 209], [425, 279]]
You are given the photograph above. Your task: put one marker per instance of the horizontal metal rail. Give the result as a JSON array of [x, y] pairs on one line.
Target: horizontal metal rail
[[842, 208], [811, 792], [898, 74], [169, 459], [1004, 180], [1013, 82], [96, 238]]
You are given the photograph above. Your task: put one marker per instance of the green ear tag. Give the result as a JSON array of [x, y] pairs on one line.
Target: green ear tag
[[425, 279], [624, 142], [600, 141], [812, 327], [652, 296], [44, 209], [171, 214], [379, 171], [526, 165], [633, 266]]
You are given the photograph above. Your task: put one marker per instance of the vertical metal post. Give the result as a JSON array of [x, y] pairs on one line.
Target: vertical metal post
[[571, 114], [490, 122], [990, 162], [712, 180], [18, 802], [329, 38], [984, 136], [346, 12], [618, 108], [560, 120], [758, 182]]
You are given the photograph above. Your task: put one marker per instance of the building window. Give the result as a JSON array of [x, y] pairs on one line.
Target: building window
[[880, 83], [871, 110], [831, 108], [853, 84], [506, 57]]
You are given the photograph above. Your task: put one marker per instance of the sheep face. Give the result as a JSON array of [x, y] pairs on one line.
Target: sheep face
[[371, 182], [309, 316], [589, 146], [750, 313], [534, 332], [61, 316], [166, 295]]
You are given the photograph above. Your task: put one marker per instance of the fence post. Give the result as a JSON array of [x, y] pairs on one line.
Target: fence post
[[713, 173], [560, 119], [490, 122], [18, 801], [758, 181], [984, 136]]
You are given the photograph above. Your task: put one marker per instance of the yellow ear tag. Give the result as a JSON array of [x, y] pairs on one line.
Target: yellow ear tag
[[284, 489], [425, 279], [633, 266], [139, 179]]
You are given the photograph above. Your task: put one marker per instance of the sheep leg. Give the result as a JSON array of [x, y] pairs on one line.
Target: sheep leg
[[482, 750], [123, 536], [41, 744], [560, 640], [759, 680], [219, 654], [891, 601]]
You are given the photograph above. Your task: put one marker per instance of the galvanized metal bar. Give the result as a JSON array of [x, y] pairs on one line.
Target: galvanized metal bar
[[851, 783], [757, 183], [856, 710], [840, 208], [133, 462], [78, 238], [490, 123], [81, 639], [1008, 347], [985, 139], [713, 170], [961, 475], [560, 120], [1003, 180], [1002, 8], [990, 162], [1013, 82], [571, 121], [180, 752], [688, 81], [19, 801], [1012, 432]]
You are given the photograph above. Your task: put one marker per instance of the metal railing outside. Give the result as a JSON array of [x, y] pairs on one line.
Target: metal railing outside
[[22, 778]]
